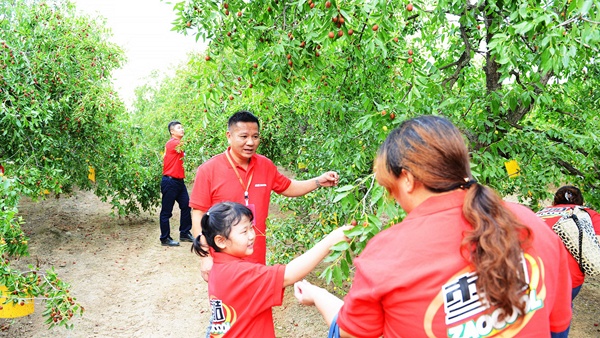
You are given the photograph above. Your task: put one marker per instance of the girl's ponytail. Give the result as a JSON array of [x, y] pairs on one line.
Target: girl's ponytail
[[197, 245]]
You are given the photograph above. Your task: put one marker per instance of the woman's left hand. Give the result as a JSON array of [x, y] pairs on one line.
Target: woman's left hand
[[305, 292]]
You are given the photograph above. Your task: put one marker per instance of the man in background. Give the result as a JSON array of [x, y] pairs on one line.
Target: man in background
[[173, 189]]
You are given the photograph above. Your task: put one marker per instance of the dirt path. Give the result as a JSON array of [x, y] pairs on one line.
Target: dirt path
[[131, 286]]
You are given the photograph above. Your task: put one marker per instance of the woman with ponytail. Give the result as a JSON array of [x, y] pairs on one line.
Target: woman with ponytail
[[463, 263]]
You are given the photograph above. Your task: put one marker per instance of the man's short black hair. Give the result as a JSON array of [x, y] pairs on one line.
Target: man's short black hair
[[242, 116], [172, 124]]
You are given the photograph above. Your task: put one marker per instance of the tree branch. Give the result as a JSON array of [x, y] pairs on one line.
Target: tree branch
[[553, 139], [566, 165], [410, 86], [412, 17], [360, 36], [492, 76], [464, 60], [517, 78], [532, 49], [572, 170], [283, 16], [454, 63], [590, 21], [567, 22], [586, 45], [471, 136], [515, 116], [350, 64]]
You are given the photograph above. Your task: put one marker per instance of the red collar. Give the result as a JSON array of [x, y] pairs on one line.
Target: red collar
[[253, 159], [436, 204], [221, 257]]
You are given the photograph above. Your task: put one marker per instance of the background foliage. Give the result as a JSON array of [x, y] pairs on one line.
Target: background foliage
[[60, 114], [329, 79], [59, 117]]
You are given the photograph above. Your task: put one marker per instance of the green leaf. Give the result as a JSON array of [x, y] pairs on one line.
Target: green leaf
[[327, 274], [585, 8], [357, 230], [341, 246], [346, 16], [512, 102], [345, 269], [523, 27], [339, 197], [345, 188], [333, 256], [338, 278]]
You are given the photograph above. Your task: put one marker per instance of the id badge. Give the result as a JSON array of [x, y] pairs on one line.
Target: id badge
[[252, 208]]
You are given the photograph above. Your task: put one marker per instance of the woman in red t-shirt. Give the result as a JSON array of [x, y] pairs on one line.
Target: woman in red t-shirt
[[463, 263]]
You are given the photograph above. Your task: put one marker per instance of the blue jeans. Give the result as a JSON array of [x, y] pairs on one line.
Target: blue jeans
[[174, 190], [565, 333], [334, 329], [574, 293]]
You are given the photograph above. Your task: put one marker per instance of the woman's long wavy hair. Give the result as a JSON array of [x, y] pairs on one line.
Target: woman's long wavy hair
[[434, 151]]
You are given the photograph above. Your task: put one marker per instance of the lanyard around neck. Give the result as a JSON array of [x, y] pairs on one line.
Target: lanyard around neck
[[246, 196]]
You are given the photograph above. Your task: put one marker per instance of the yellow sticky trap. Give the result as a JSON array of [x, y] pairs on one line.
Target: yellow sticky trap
[[92, 174], [512, 168], [14, 310]]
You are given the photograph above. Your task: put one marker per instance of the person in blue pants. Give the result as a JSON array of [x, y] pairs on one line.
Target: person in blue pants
[[172, 187]]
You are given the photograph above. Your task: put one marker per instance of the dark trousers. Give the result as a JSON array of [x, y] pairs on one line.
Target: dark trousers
[[565, 333], [174, 190]]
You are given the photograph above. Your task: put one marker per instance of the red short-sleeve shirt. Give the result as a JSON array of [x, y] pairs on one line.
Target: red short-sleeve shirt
[[173, 160], [242, 295], [217, 182], [577, 276], [412, 281]]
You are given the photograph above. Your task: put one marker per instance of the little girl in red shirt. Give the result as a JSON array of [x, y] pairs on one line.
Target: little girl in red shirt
[[243, 293]]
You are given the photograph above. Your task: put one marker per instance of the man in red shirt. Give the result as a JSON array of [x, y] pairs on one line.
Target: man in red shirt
[[173, 189], [240, 175]]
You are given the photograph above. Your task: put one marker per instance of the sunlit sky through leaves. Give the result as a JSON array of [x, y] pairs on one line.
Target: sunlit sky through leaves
[[143, 29]]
